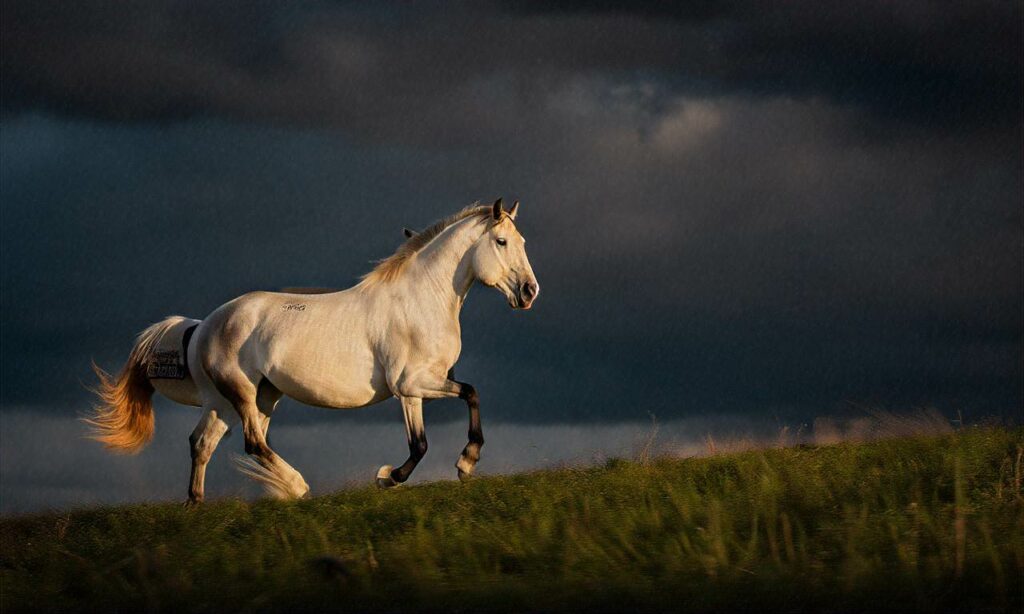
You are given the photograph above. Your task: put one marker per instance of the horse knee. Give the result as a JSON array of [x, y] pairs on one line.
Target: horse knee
[[469, 395]]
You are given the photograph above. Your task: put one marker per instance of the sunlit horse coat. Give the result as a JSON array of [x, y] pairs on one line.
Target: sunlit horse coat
[[396, 333]]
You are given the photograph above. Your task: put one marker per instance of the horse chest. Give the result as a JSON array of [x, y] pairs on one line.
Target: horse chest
[[437, 347]]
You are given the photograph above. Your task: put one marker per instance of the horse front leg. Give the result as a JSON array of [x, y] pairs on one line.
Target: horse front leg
[[412, 410], [471, 453], [412, 407]]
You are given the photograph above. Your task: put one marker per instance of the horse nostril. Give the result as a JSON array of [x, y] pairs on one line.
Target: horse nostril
[[529, 290]]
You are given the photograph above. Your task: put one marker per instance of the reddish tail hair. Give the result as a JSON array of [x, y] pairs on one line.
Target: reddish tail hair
[[123, 419]]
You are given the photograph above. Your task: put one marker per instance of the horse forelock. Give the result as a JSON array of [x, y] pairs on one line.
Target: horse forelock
[[389, 268]]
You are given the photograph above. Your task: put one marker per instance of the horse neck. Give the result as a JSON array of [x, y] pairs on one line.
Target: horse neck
[[444, 263]]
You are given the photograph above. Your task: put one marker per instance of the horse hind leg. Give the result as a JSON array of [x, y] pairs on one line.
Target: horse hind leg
[[280, 479], [203, 441], [227, 371]]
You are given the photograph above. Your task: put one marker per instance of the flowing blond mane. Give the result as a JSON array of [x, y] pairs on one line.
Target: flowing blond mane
[[389, 268]]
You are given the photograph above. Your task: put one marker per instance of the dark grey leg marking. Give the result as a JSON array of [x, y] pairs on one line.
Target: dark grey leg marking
[[471, 453], [417, 450]]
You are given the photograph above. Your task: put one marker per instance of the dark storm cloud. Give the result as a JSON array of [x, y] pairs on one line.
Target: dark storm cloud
[[749, 208], [740, 256], [443, 74], [943, 62]]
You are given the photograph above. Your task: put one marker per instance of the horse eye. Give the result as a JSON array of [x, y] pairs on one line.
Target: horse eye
[[501, 242]]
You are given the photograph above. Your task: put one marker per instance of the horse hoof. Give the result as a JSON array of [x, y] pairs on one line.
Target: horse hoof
[[465, 469], [384, 479]]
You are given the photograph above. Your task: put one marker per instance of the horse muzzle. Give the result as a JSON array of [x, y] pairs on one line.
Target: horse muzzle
[[526, 294]]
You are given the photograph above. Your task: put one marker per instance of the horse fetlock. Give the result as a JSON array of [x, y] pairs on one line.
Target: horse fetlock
[[296, 489], [296, 485], [472, 451], [384, 479]]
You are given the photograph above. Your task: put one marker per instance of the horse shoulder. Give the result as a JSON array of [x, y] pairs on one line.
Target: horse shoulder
[[431, 343]]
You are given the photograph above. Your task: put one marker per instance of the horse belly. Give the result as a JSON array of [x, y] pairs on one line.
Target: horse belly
[[327, 386]]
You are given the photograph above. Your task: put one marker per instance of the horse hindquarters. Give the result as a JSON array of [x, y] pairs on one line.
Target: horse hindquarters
[[169, 371], [229, 375]]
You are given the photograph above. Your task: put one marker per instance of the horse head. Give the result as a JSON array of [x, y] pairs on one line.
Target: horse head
[[500, 261]]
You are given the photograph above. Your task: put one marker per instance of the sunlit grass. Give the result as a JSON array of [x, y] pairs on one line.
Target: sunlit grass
[[915, 523]]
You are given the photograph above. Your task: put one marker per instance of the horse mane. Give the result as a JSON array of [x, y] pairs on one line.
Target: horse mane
[[389, 268]]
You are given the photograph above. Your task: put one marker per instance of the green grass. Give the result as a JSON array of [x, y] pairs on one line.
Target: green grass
[[923, 523]]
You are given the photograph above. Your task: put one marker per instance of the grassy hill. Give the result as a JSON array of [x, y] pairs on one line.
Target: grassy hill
[[923, 523]]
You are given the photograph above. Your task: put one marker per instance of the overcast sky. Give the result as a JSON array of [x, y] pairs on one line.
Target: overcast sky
[[735, 207]]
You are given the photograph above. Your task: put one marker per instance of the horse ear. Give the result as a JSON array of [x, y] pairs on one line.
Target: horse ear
[[515, 209], [409, 233], [496, 209]]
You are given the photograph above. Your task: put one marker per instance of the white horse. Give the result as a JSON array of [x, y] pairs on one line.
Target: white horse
[[396, 333]]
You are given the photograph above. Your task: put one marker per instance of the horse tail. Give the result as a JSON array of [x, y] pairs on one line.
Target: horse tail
[[123, 419]]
